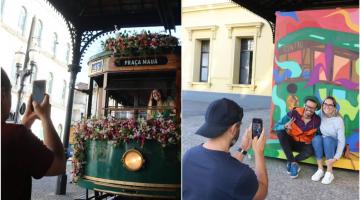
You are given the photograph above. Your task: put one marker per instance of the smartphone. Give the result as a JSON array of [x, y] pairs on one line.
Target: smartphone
[[257, 126], [38, 91]]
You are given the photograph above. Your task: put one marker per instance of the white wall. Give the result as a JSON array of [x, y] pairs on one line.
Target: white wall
[[12, 40]]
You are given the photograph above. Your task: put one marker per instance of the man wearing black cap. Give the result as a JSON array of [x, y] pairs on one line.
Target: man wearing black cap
[[211, 172], [295, 132]]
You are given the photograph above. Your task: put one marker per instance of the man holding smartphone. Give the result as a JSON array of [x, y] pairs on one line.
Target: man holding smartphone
[[296, 131], [23, 155], [211, 172]]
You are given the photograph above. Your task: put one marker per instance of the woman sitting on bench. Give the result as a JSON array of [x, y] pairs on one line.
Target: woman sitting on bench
[[331, 141]]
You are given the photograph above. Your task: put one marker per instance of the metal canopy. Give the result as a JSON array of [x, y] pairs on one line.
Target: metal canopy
[[267, 8], [92, 15]]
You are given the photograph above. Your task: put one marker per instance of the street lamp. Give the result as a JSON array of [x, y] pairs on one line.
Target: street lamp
[[22, 72], [19, 59]]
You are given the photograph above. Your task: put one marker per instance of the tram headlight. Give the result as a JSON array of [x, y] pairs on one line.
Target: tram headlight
[[133, 160]]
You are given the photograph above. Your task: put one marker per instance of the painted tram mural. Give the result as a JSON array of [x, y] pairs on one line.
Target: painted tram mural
[[131, 146], [317, 53]]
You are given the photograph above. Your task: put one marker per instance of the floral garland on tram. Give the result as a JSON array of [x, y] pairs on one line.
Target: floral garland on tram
[[165, 131], [141, 44]]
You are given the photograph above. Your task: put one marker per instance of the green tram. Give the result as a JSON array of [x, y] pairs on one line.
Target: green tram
[[131, 147]]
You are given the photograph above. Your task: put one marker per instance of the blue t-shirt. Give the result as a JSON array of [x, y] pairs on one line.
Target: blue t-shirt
[[210, 174]]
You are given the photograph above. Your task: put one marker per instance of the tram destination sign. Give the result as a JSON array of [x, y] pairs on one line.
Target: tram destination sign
[[97, 66], [124, 62]]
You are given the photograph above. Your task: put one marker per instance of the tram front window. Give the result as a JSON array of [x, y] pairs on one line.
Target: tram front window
[[142, 101]]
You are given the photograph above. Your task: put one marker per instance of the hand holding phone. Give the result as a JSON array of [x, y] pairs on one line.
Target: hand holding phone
[[38, 92], [257, 126]]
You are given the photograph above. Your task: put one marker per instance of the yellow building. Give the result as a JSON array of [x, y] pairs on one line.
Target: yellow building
[[227, 51]]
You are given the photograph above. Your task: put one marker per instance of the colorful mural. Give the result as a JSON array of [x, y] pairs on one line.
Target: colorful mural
[[317, 53]]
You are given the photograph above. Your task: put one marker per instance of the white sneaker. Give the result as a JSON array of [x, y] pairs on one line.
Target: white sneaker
[[328, 178], [318, 175]]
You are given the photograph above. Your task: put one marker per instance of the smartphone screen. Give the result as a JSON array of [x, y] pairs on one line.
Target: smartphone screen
[[38, 91], [257, 127]]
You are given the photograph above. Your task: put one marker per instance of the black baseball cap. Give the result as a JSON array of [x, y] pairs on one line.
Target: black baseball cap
[[220, 115]]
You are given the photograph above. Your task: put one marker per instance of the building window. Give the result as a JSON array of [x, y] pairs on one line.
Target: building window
[[38, 32], [68, 48], [63, 94], [246, 55], [54, 44], [50, 83], [204, 60], [22, 20], [2, 4]]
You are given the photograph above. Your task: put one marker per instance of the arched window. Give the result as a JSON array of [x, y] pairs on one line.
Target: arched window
[[38, 32], [50, 83], [2, 4], [67, 53], [22, 20], [54, 44], [64, 90]]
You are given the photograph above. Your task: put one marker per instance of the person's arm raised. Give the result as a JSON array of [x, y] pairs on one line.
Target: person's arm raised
[[258, 145], [29, 116], [245, 144], [51, 138]]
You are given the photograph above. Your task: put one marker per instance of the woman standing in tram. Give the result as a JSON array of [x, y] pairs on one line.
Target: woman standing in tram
[[159, 105]]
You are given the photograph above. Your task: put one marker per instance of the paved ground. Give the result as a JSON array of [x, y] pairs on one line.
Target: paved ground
[[44, 189], [281, 186], [344, 187]]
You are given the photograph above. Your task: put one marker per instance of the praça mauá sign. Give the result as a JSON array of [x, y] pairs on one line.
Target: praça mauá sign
[[125, 62]]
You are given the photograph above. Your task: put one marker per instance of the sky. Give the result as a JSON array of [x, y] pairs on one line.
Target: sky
[[96, 48]]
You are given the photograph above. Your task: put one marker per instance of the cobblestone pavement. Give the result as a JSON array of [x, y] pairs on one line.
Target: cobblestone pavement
[[281, 186], [44, 189]]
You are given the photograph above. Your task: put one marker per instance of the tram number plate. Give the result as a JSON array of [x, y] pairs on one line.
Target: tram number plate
[[124, 62]]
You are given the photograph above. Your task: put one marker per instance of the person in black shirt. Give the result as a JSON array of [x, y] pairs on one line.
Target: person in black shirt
[[211, 172], [23, 155]]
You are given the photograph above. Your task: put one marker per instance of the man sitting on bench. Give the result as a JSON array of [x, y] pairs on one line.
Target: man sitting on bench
[[295, 132]]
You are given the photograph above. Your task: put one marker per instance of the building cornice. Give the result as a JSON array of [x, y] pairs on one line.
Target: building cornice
[[212, 28], [209, 7], [254, 25], [12, 31], [43, 52]]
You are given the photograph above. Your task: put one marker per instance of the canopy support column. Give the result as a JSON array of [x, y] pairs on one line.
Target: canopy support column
[[74, 68]]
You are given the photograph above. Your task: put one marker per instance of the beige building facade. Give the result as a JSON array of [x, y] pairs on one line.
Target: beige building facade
[[226, 51]]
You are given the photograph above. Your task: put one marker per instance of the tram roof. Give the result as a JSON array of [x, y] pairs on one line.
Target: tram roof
[[267, 8], [91, 15], [348, 41]]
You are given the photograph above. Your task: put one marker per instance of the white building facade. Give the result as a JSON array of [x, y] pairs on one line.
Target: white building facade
[[51, 40]]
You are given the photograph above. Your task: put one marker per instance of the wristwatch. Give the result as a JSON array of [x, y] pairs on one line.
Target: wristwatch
[[242, 151]]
